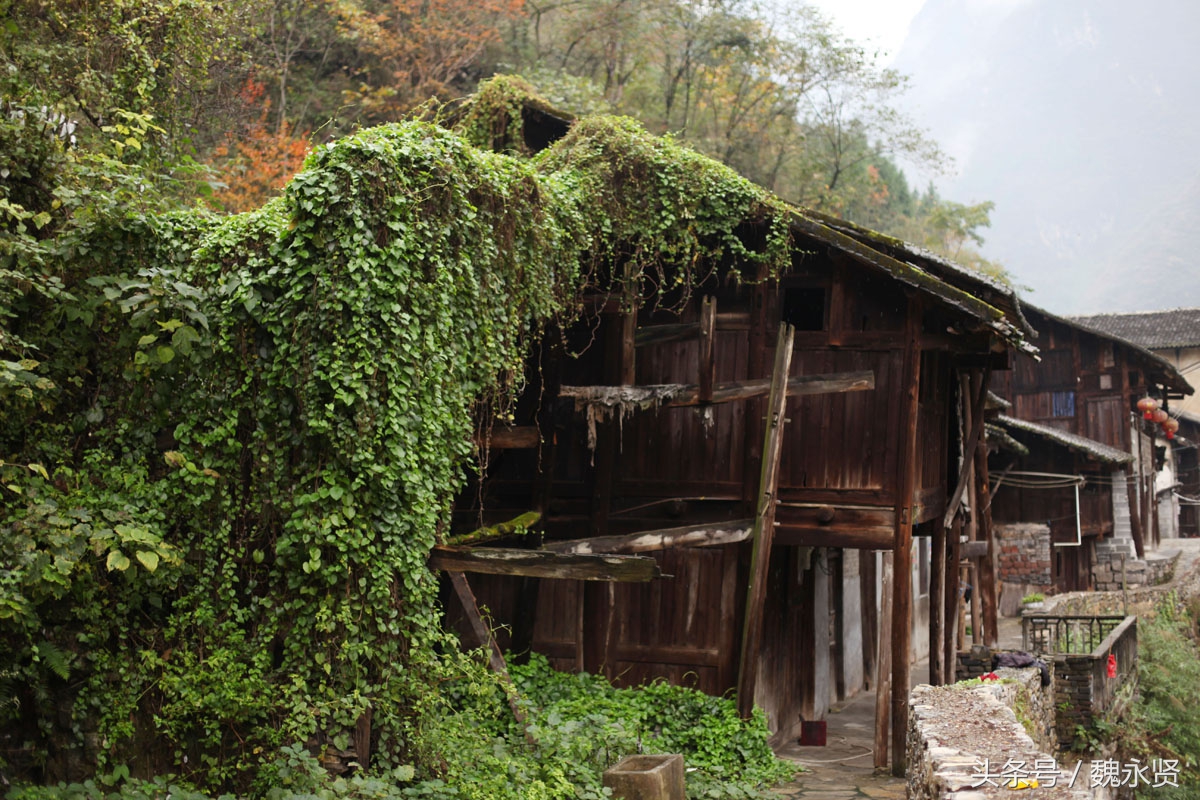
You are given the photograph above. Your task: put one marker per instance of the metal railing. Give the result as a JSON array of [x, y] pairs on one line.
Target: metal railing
[[1067, 634]]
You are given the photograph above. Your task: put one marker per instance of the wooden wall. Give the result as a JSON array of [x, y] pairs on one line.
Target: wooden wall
[[671, 467]]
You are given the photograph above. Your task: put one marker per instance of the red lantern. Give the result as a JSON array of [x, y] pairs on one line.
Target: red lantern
[[1159, 416], [1147, 406], [1112, 666], [1171, 426]]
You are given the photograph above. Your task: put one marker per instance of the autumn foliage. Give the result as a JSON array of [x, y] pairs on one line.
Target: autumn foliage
[[428, 46], [257, 161]]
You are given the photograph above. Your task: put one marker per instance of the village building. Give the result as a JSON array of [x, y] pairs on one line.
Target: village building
[[1078, 472], [774, 443], [1173, 334]]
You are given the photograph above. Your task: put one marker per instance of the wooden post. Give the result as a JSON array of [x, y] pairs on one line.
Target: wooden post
[[906, 476], [707, 362], [764, 523], [937, 586], [837, 612], [870, 615], [1135, 516], [950, 599], [976, 604], [883, 675], [987, 578]]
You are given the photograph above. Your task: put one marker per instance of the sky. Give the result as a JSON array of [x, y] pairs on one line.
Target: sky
[[881, 23]]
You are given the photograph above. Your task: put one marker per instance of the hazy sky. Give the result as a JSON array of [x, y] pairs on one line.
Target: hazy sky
[[881, 23]]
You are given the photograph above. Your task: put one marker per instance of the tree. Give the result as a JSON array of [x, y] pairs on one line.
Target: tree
[[424, 48]]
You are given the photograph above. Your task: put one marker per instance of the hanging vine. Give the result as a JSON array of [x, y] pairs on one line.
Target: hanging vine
[[215, 537]]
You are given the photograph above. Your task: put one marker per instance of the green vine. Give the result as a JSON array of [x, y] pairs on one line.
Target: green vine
[[259, 424]]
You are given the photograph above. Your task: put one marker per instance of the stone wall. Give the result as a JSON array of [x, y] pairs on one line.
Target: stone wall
[[1083, 691], [1024, 563], [960, 738], [1021, 690], [1156, 569]]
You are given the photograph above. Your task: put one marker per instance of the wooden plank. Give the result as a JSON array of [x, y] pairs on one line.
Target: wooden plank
[[669, 654], [519, 437], [702, 535], [764, 523], [883, 675], [907, 477], [686, 395], [647, 335], [820, 515], [880, 538], [543, 564], [707, 364], [665, 334]]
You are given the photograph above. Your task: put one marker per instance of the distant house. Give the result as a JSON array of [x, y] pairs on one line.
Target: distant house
[[1173, 334], [1087, 462]]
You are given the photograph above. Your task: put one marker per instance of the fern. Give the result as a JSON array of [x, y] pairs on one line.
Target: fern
[[55, 659]]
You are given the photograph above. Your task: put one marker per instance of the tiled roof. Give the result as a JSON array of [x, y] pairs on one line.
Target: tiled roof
[[1089, 447], [1159, 369], [1154, 330]]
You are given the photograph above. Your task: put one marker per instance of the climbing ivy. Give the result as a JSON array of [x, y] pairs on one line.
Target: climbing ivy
[[214, 533]]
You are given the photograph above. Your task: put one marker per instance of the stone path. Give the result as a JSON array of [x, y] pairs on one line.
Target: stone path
[[844, 768]]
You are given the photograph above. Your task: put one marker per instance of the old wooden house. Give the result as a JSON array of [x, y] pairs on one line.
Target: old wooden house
[[1090, 467], [773, 443]]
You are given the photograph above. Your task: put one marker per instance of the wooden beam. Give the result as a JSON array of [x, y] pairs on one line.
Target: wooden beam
[[517, 525], [906, 468], [707, 362], [543, 564], [682, 331], [883, 675], [973, 550], [820, 515], [764, 523], [879, 538], [684, 395], [518, 437], [702, 535]]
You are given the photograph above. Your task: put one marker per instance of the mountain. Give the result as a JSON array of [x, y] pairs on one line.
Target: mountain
[[1078, 118]]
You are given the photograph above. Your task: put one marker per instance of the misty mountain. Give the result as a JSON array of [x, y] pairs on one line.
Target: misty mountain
[[1078, 118]]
